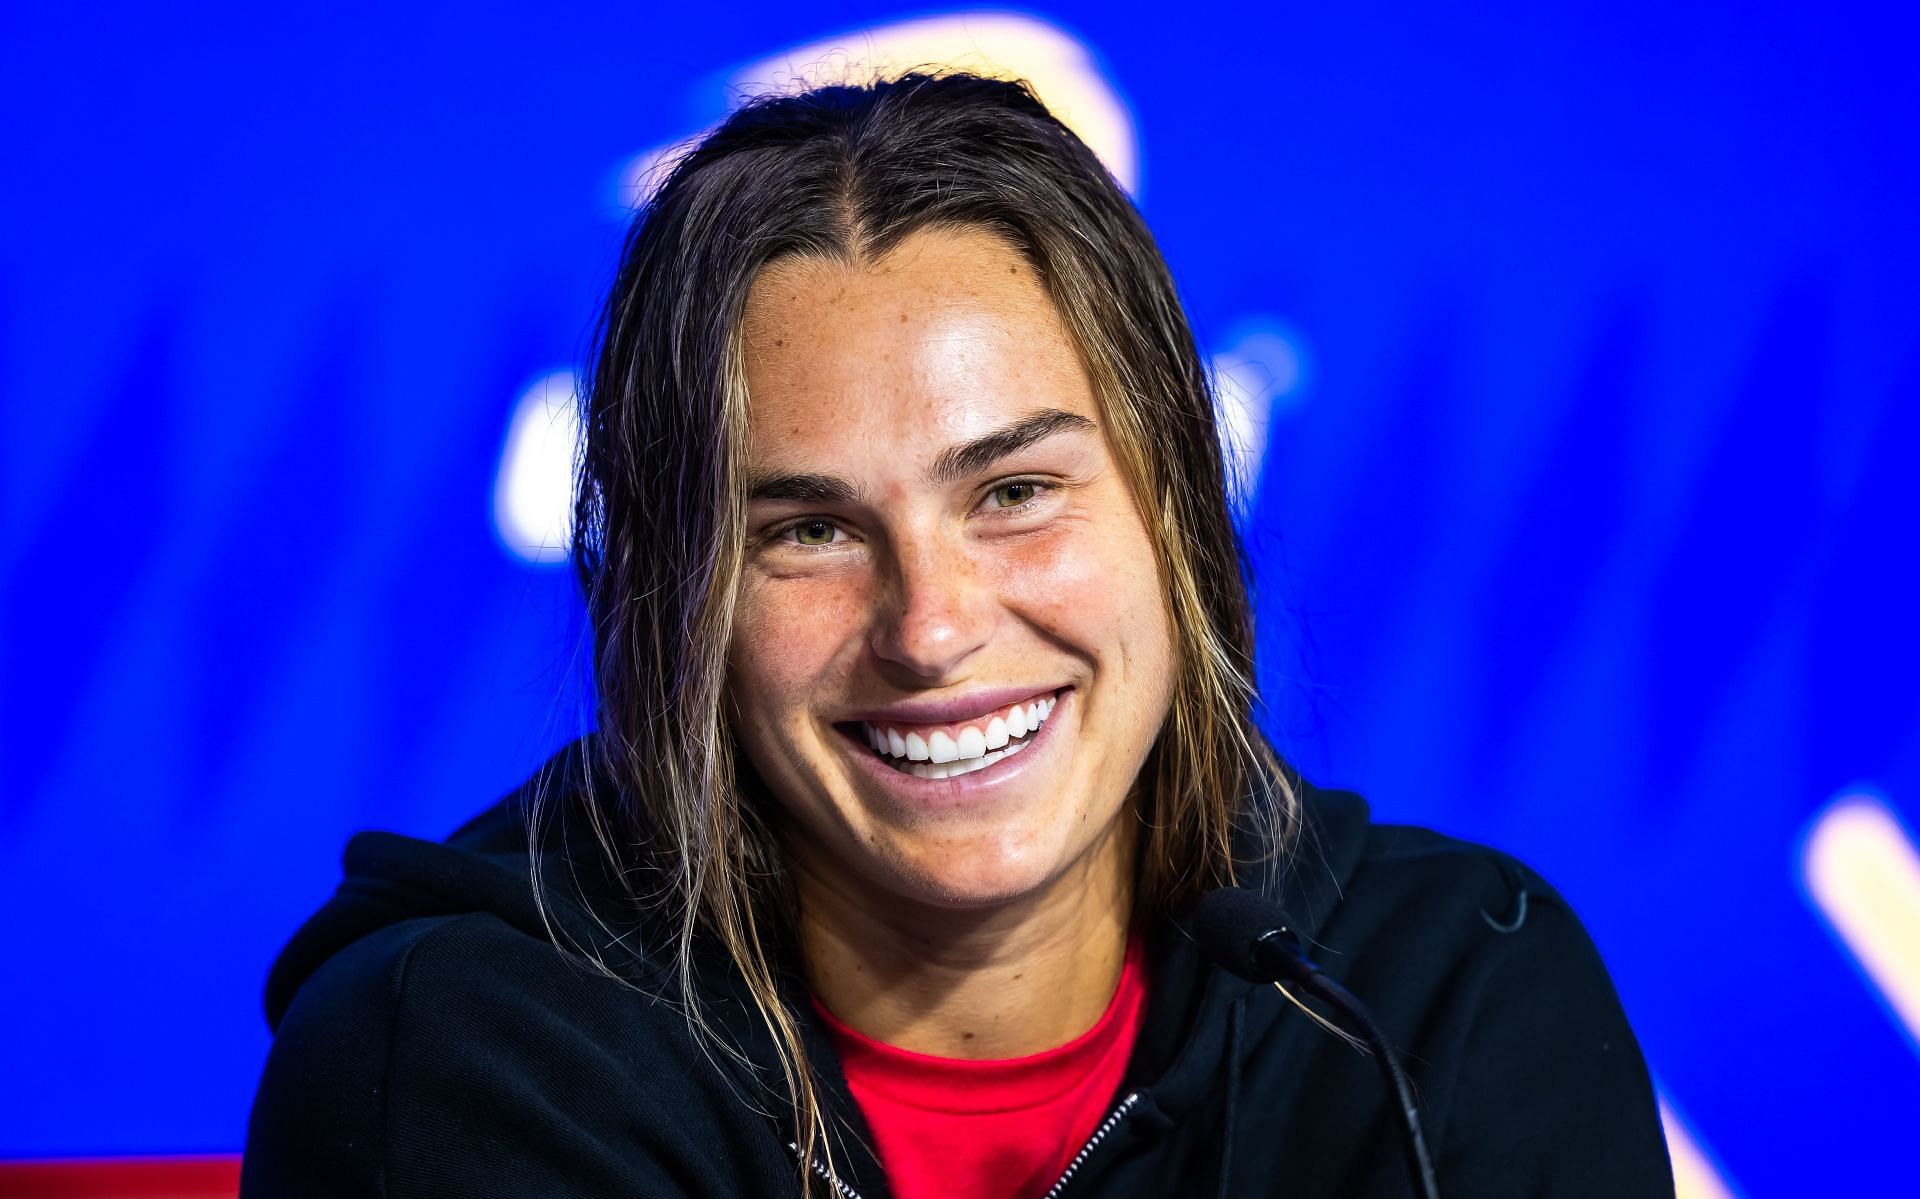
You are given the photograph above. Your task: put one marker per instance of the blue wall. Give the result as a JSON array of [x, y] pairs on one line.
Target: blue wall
[[1589, 533]]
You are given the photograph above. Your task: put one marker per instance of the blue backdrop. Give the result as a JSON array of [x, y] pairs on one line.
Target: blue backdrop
[[1585, 521]]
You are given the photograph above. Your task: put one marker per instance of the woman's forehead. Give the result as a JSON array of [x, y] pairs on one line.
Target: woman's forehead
[[930, 275], [947, 337]]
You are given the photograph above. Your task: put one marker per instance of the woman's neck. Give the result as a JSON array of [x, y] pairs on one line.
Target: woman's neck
[[999, 982]]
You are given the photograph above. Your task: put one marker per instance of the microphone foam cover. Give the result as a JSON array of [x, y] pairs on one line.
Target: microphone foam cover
[[1228, 922]]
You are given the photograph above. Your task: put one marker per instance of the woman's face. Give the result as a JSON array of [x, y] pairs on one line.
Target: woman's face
[[952, 653]]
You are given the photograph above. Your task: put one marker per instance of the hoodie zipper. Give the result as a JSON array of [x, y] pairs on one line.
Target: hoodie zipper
[[1099, 1134], [1060, 1184], [846, 1192]]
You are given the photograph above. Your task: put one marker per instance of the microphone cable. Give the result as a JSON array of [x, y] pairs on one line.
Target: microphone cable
[[1248, 934]]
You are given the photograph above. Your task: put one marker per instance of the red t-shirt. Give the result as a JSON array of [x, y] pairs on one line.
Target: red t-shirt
[[948, 1128]]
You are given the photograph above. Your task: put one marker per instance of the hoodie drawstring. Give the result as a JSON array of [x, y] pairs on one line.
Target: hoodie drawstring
[[1234, 1021]]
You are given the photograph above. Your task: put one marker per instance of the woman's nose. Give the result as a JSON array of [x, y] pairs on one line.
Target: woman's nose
[[937, 612]]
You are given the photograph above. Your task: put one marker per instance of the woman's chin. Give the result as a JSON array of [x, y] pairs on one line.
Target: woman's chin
[[970, 893], [977, 876]]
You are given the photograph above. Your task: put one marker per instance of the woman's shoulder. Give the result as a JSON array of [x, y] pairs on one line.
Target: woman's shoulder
[[456, 1054], [1453, 940], [435, 1037], [1412, 865], [1480, 970], [451, 1007], [1347, 870], [409, 911]]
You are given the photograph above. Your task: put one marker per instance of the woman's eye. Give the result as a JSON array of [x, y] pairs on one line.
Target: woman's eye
[[1012, 495], [814, 532]]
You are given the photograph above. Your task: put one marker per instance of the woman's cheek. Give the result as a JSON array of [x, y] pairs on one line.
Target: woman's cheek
[[789, 630], [1076, 575]]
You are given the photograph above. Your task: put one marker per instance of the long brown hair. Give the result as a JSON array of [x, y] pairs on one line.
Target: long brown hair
[[847, 172]]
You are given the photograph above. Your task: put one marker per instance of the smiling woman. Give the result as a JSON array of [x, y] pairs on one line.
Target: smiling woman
[[924, 655], [968, 574]]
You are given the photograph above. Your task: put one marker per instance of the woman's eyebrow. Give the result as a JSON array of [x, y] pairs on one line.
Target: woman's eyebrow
[[972, 457], [955, 462], [804, 489]]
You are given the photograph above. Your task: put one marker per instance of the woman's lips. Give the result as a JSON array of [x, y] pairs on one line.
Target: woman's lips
[[962, 772], [949, 709]]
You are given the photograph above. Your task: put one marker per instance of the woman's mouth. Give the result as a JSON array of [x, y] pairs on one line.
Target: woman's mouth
[[941, 751]]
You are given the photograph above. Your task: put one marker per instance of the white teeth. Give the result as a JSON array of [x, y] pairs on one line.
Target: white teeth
[[940, 747], [940, 754], [929, 770]]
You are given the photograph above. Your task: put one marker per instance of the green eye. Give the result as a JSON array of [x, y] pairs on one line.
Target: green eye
[[1012, 495], [814, 532]]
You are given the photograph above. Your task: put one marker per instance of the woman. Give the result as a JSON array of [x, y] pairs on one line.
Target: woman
[[923, 657]]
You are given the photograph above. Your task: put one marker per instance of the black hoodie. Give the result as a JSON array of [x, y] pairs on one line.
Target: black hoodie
[[430, 1040]]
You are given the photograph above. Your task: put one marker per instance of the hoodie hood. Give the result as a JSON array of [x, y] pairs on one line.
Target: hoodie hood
[[485, 866], [438, 1045], [1191, 1043]]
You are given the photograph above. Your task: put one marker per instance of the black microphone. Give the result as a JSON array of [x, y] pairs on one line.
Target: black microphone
[[1249, 934]]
